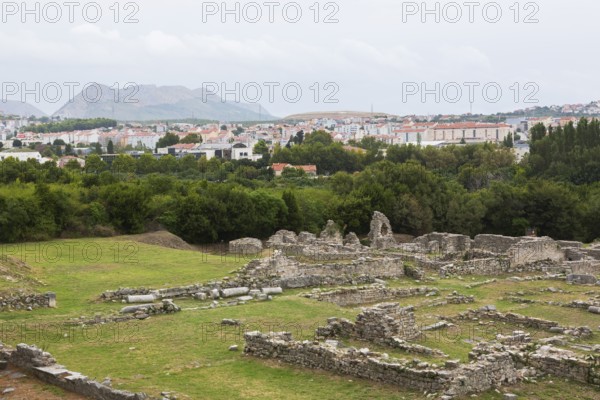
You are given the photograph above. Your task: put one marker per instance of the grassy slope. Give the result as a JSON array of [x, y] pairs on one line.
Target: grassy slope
[[188, 353]]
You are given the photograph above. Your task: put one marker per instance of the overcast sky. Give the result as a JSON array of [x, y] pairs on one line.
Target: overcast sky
[[378, 53]]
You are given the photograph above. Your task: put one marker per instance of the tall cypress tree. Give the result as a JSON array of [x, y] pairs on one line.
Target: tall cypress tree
[[294, 216]]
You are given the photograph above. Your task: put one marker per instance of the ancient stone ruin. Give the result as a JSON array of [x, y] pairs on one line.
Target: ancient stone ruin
[[491, 365], [381, 235], [288, 272], [246, 246], [381, 323], [368, 294]]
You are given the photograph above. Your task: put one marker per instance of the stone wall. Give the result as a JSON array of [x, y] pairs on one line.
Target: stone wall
[[530, 250], [366, 295], [288, 272], [489, 371], [499, 266], [491, 365], [348, 361], [564, 363], [22, 301], [444, 243], [496, 244], [523, 320], [380, 324], [44, 367], [245, 246]]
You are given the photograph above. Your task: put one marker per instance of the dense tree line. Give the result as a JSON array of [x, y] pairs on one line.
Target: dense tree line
[[568, 153], [71, 125]]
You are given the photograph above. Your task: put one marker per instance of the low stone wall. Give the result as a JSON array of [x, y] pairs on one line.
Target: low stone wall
[[348, 361], [21, 301], [366, 295], [522, 320], [456, 298], [489, 371], [491, 364], [44, 367], [564, 363], [500, 266]]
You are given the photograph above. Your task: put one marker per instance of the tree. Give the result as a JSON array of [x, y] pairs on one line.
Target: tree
[[98, 148], [294, 216], [123, 164], [299, 138], [508, 141], [191, 138], [73, 165], [110, 148], [261, 148], [126, 206], [170, 139], [58, 142], [147, 164], [94, 164], [318, 137], [69, 150], [17, 143]]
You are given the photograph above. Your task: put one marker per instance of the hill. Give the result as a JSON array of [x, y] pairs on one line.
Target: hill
[[21, 109], [153, 102]]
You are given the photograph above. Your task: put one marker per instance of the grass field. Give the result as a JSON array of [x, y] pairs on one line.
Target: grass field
[[187, 353]]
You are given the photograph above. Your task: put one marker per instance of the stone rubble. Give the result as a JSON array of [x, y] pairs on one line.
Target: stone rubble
[[26, 301]]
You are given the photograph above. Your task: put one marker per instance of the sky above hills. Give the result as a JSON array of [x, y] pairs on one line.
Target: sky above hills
[[378, 54]]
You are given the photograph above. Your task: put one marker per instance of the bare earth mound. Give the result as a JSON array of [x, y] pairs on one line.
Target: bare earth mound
[[15, 273], [161, 238]]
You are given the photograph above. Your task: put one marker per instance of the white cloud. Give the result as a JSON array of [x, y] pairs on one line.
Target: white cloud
[[91, 30]]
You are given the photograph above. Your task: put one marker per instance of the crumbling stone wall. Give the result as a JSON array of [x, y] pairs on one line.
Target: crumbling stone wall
[[564, 363], [23, 301], [365, 295], [287, 272], [245, 246], [530, 250], [379, 323], [499, 266], [349, 361], [381, 235], [44, 367], [444, 243], [496, 244], [491, 365], [330, 245], [522, 320], [489, 371]]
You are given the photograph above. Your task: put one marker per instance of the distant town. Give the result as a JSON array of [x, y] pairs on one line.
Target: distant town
[[250, 141]]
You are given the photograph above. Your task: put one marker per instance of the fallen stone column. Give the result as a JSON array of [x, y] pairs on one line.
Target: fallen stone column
[[232, 292], [147, 298]]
